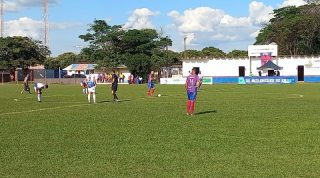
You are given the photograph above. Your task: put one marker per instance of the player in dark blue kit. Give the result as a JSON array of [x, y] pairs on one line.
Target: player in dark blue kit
[[114, 86]]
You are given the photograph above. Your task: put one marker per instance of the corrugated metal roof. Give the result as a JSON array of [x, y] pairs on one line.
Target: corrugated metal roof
[[80, 67]]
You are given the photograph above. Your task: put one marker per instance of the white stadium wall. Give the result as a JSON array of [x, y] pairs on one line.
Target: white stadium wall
[[230, 67]]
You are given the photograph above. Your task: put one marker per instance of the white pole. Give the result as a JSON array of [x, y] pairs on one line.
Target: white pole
[[250, 64], [59, 76]]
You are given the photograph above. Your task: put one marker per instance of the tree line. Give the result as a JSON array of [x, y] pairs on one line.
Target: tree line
[[296, 30]]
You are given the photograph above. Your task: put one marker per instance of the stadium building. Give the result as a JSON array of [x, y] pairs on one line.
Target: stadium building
[[255, 69]]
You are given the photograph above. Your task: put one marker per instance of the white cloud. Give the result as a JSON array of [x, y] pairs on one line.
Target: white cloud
[[255, 34], [23, 27], [296, 3], [201, 19], [260, 13], [229, 21], [141, 19], [26, 26], [211, 26], [17, 5]]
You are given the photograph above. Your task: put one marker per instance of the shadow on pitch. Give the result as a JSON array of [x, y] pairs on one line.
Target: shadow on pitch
[[111, 101], [206, 112]]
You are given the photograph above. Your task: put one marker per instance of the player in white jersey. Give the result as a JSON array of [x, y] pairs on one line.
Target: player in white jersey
[[38, 87], [91, 84]]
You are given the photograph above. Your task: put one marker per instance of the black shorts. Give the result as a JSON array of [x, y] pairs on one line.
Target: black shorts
[[114, 87]]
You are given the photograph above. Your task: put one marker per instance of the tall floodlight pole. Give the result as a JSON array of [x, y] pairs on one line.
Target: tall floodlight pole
[[46, 23], [185, 46], [185, 43], [2, 22]]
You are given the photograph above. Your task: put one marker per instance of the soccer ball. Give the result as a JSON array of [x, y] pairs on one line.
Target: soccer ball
[[159, 95]]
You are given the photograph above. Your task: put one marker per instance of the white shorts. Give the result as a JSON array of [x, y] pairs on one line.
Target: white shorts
[[92, 90]]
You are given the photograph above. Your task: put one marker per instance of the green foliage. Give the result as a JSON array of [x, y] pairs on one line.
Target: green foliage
[[21, 52], [210, 52], [237, 54], [105, 44], [294, 29], [140, 41], [313, 1], [213, 52], [111, 46], [190, 53], [163, 58], [139, 64], [62, 61]]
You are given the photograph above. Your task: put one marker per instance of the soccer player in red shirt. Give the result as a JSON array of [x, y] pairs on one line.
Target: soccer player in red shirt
[[192, 84]]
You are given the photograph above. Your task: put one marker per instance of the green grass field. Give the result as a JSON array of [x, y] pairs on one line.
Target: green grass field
[[238, 131]]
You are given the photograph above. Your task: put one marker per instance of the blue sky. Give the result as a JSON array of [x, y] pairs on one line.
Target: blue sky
[[227, 24]]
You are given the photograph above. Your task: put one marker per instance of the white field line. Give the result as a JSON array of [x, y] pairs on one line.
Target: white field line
[[42, 97], [42, 109]]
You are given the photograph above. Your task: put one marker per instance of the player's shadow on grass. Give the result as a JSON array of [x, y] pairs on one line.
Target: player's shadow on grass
[[111, 101], [206, 112]]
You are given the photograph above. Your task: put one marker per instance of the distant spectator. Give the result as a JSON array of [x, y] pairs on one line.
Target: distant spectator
[[121, 78], [26, 87]]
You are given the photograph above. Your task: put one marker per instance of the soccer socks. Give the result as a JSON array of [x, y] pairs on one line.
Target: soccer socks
[[188, 106], [115, 97], [39, 97], [192, 106], [152, 92], [94, 98]]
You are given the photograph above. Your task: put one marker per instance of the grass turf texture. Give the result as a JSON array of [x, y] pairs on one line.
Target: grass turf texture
[[238, 131]]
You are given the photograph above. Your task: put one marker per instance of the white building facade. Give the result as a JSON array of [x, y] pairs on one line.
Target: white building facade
[[230, 67]]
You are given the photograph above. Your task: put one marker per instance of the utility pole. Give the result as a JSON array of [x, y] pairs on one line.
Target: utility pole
[[185, 43], [2, 22], [46, 23]]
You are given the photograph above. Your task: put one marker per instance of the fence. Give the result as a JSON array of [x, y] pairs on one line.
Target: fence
[[4, 77], [53, 77]]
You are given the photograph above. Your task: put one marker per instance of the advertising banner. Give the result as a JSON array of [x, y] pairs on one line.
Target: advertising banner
[[256, 50], [267, 80], [207, 80], [172, 81], [265, 57]]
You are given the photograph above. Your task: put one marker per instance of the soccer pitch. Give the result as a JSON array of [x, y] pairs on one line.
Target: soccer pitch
[[238, 131]]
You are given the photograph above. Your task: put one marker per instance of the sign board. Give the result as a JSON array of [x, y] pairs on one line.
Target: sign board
[[267, 80], [172, 81], [207, 80], [257, 50]]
